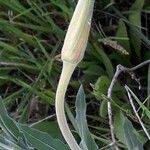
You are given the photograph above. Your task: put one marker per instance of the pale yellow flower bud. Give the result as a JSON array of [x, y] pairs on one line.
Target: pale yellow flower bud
[[78, 32]]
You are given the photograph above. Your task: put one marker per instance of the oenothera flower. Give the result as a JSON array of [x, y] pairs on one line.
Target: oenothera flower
[[72, 53]]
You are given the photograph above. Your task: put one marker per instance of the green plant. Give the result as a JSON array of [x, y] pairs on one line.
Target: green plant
[[31, 37]]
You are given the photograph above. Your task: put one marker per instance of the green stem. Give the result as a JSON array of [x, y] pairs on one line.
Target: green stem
[[66, 74]]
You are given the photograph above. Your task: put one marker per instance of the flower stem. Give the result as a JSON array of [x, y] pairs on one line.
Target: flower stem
[[66, 74]]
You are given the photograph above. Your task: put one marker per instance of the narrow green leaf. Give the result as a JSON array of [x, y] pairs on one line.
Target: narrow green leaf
[[17, 7], [8, 47], [122, 33], [145, 109], [100, 88], [29, 87], [135, 19], [103, 109], [87, 142], [133, 28], [105, 59], [62, 5], [9, 28]]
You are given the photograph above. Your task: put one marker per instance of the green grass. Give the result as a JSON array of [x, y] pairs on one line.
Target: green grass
[[31, 37]]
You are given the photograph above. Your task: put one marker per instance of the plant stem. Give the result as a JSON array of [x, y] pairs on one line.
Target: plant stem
[[67, 71], [109, 107], [119, 70]]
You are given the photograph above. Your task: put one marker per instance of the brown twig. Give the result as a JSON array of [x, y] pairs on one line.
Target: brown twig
[[109, 107], [119, 70]]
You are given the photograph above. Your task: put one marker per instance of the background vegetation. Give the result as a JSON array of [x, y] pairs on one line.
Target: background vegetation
[[31, 37]]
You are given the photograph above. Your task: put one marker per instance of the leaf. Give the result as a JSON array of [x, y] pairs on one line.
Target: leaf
[[23, 137], [29, 87], [7, 144], [15, 32], [102, 85], [41, 140], [62, 5], [7, 123], [132, 141], [145, 109], [9, 47], [49, 127], [122, 33], [103, 109], [87, 142], [119, 121], [105, 59], [135, 19], [11, 130], [92, 72], [148, 84], [100, 89], [133, 29], [126, 133]]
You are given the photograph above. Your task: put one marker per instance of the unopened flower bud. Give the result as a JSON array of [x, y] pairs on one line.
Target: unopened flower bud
[[78, 32]]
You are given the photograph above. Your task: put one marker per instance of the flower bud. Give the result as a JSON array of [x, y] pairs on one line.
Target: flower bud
[[78, 32]]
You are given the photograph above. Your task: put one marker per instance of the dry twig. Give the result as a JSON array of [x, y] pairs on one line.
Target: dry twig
[[119, 70], [135, 111]]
